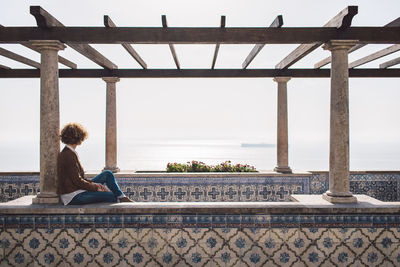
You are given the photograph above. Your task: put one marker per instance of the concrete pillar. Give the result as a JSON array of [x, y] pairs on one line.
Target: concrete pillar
[[111, 124], [339, 181], [49, 120], [282, 134]]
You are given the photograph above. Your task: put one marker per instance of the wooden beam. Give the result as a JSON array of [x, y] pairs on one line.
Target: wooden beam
[[381, 53], [62, 60], [200, 73], [223, 22], [326, 61], [341, 21], [390, 63], [152, 35], [11, 55], [4, 67], [110, 24], [277, 23], [394, 23], [94, 55], [67, 62], [171, 46], [297, 54], [46, 21]]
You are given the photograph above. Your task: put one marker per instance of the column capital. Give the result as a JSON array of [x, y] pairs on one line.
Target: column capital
[[47, 45], [111, 79], [339, 44], [282, 79]]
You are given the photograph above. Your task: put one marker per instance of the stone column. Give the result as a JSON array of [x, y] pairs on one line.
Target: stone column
[[282, 134], [339, 182], [111, 124], [49, 120]]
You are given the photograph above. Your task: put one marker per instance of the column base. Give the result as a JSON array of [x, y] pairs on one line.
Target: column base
[[340, 199], [46, 199], [283, 169], [112, 169]]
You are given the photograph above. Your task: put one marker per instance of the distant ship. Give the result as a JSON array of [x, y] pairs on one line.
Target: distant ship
[[257, 145]]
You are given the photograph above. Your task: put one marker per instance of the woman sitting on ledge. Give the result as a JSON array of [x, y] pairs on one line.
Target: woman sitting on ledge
[[73, 188]]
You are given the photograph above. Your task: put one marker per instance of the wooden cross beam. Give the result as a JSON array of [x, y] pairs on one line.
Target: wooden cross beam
[[11, 55], [326, 61], [223, 22], [190, 35], [341, 21], [199, 73], [381, 53], [62, 60], [110, 24], [45, 20], [4, 67], [277, 23], [390, 63], [171, 46]]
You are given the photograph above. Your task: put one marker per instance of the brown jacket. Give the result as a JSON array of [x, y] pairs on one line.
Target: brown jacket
[[71, 174]]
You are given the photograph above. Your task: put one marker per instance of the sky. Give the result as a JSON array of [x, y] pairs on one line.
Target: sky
[[223, 109]]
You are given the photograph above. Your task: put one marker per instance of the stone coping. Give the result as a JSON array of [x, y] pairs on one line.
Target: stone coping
[[307, 204], [201, 174], [133, 173], [124, 173]]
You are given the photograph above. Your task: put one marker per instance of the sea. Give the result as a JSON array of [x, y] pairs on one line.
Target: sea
[[154, 155]]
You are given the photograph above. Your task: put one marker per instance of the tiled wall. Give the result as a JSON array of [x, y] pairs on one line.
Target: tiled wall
[[383, 186], [200, 240], [214, 189], [379, 185], [15, 186]]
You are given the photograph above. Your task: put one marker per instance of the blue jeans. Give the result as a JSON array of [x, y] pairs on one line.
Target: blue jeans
[[87, 197]]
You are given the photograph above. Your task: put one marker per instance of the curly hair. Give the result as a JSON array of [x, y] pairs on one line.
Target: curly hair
[[73, 133]]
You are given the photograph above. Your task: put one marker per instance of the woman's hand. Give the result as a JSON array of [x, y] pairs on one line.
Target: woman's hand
[[102, 188]]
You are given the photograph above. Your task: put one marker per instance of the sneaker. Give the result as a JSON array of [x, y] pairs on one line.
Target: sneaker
[[125, 199]]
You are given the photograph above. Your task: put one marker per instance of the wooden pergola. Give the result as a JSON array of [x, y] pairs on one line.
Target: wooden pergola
[[79, 38], [336, 35]]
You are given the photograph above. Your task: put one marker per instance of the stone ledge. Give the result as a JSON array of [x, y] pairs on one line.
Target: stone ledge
[[318, 199], [133, 174], [365, 205], [130, 173]]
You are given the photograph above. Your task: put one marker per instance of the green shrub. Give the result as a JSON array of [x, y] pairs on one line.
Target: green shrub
[[196, 166], [176, 167]]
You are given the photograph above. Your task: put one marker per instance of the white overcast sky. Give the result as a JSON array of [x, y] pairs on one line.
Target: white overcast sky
[[241, 109]]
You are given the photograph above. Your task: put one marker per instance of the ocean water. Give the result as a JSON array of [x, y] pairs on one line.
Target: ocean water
[[155, 155]]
